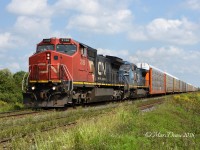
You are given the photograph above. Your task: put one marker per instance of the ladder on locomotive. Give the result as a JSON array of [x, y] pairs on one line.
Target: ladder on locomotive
[[64, 69]]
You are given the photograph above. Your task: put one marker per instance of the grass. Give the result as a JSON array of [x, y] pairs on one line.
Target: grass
[[173, 125], [4, 106], [19, 127]]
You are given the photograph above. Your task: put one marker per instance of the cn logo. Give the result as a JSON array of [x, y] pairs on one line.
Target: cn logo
[[46, 69], [101, 68]]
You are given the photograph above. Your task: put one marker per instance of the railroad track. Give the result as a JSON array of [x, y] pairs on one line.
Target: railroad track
[[55, 126], [16, 114], [141, 106], [3, 141], [8, 139], [148, 107], [36, 122], [24, 112]]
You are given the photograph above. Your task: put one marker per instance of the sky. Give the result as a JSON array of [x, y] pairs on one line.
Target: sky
[[164, 34]]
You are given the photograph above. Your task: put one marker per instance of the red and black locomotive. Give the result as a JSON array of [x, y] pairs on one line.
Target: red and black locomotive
[[64, 71]]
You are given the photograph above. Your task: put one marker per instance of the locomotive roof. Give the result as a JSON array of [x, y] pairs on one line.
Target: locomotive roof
[[87, 46], [115, 58]]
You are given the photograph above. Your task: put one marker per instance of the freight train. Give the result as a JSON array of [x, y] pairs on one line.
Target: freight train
[[63, 71]]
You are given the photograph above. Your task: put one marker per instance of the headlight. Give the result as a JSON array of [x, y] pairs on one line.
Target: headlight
[[33, 87], [54, 88], [48, 56]]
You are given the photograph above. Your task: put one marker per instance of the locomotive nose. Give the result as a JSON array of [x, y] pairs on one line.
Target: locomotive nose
[[45, 66]]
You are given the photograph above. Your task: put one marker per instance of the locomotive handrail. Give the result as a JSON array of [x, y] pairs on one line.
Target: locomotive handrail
[[69, 77], [26, 80]]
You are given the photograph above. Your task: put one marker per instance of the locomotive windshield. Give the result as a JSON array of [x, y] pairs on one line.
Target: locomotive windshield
[[41, 48], [68, 49]]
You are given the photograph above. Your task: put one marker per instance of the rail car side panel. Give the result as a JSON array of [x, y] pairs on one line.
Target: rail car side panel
[[157, 82], [169, 84], [176, 85], [182, 86]]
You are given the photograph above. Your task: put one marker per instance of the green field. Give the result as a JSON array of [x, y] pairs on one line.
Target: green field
[[172, 125]]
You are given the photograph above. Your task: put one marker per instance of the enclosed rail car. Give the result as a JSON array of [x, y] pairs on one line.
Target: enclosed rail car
[[63, 71]]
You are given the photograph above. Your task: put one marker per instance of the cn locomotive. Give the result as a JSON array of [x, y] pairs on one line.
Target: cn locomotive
[[63, 71]]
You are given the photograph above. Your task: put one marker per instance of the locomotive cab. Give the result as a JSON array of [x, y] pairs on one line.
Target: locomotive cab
[[46, 64], [50, 79]]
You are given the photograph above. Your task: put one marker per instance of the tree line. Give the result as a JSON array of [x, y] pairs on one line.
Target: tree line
[[10, 86]]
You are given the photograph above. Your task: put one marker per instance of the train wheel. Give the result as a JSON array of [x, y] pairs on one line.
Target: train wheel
[[83, 102], [79, 100], [74, 101]]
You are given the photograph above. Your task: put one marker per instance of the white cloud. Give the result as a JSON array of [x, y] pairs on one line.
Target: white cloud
[[11, 62], [36, 28], [181, 32], [32, 26], [4, 40], [174, 31], [107, 23], [30, 7], [8, 41], [192, 4], [138, 34], [118, 53], [83, 6], [157, 55], [176, 61], [99, 16]]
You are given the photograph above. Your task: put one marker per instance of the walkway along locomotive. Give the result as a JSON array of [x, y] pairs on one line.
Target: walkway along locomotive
[[64, 71]]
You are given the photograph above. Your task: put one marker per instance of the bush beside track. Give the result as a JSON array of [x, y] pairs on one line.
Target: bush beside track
[[10, 90], [173, 125]]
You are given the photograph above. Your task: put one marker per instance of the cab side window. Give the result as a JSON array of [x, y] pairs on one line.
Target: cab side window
[[84, 51]]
